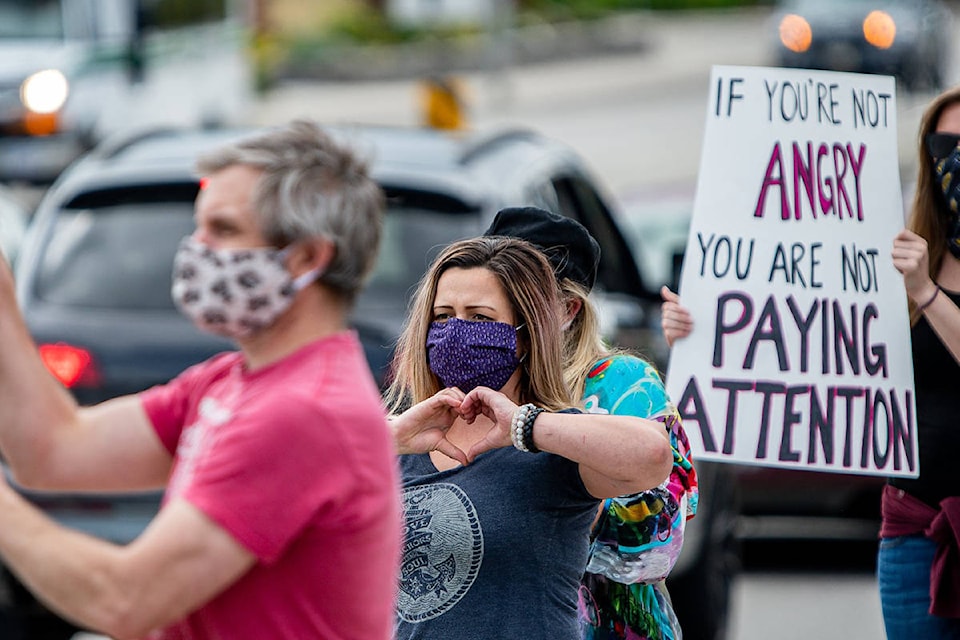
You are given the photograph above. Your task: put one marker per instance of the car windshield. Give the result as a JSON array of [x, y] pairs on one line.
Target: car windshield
[[30, 19], [121, 256], [412, 237]]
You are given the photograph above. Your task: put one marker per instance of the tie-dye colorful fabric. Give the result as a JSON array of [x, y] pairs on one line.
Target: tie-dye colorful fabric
[[637, 538]]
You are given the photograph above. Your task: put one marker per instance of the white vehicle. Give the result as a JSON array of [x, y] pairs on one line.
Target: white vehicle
[[73, 72]]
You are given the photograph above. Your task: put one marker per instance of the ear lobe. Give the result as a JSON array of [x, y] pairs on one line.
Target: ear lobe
[[573, 307], [320, 253]]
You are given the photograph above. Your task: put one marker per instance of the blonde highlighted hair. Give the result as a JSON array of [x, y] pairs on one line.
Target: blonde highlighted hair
[[527, 279]]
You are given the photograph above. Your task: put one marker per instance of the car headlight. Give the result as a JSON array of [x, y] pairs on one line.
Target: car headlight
[[45, 91], [795, 33], [879, 29]]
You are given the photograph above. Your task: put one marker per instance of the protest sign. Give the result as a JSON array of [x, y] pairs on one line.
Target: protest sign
[[800, 354]]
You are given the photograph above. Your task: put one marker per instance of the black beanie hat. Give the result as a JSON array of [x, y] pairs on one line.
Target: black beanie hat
[[572, 251]]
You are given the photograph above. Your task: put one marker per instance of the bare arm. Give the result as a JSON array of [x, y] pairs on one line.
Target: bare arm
[[180, 562], [911, 258], [48, 440], [618, 455]]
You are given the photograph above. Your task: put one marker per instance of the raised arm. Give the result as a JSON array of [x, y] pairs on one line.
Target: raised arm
[[911, 258], [51, 443], [617, 454], [181, 561]]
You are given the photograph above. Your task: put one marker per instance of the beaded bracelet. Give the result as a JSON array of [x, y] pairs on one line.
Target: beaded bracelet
[[516, 426], [521, 428], [930, 301]]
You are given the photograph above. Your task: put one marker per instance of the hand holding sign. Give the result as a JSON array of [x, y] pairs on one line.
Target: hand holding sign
[[802, 356]]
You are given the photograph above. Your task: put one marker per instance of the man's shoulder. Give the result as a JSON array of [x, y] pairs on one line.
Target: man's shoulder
[[206, 371]]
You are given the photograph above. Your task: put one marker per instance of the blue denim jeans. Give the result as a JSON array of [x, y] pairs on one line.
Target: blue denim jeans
[[903, 574]]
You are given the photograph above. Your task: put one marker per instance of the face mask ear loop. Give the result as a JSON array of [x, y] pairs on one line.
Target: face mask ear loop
[[306, 278], [523, 358]]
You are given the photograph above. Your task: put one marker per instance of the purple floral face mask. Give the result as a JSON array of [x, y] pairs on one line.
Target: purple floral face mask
[[468, 354]]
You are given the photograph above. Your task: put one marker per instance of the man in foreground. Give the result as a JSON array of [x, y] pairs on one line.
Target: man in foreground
[[281, 514]]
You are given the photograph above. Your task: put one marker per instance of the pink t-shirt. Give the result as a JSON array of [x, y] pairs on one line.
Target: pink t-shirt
[[296, 462]]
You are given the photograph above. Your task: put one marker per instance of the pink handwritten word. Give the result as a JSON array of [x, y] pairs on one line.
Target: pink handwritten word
[[827, 180]]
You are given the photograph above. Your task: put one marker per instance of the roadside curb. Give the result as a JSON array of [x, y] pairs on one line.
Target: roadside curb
[[615, 35]]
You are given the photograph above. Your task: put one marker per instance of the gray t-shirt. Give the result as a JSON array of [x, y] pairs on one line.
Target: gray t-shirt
[[495, 549]]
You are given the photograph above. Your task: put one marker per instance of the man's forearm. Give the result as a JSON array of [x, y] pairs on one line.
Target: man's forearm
[[68, 571], [34, 403]]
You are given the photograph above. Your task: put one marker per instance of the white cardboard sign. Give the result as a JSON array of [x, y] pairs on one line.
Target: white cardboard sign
[[800, 353]]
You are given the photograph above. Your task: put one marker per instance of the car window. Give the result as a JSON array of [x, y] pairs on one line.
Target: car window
[[618, 271], [657, 232], [118, 256], [412, 237], [13, 226]]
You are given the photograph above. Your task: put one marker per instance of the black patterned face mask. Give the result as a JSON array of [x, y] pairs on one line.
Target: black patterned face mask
[[946, 174]]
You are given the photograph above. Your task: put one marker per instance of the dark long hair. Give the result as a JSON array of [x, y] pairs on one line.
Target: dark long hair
[[928, 217]]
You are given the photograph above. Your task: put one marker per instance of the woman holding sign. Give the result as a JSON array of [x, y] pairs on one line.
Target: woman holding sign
[[918, 566]]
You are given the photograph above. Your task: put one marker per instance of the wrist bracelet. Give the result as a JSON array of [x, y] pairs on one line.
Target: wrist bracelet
[[516, 426], [521, 428], [930, 301], [528, 430]]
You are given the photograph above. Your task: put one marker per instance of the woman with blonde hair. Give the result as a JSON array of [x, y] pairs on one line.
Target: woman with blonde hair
[[501, 477], [637, 537]]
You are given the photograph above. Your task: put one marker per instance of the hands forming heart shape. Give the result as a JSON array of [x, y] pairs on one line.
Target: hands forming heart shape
[[423, 427]]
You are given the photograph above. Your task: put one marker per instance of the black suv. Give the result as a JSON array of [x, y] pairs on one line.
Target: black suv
[[94, 273]]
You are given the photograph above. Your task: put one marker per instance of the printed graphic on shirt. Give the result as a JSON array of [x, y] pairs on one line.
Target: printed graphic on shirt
[[195, 440], [442, 550]]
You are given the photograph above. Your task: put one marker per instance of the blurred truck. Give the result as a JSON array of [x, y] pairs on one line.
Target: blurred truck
[[73, 72]]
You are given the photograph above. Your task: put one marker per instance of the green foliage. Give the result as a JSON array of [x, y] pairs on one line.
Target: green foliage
[[587, 9], [366, 24], [369, 27], [175, 13]]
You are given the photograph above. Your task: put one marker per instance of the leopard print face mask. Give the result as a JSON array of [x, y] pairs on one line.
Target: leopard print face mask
[[233, 292]]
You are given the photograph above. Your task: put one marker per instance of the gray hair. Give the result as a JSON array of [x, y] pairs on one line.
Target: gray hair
[[312, 186]]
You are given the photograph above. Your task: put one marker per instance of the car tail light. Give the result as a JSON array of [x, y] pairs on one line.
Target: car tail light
[[72, 366]]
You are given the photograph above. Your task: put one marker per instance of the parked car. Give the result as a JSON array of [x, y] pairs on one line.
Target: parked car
[[14, 218], [909, 39], [74, 72], [95, 272], [773, 504]]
